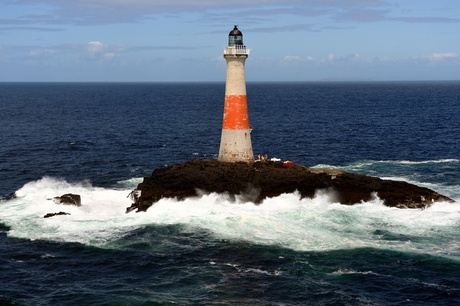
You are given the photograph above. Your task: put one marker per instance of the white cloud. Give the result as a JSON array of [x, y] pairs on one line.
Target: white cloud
[[95, 47], [440, 56], [97, 50], [109, 55], [42, 52], [295, 58], [330, 58]]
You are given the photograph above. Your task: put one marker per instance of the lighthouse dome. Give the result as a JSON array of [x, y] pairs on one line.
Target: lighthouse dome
[[235, 32], [235, 37]]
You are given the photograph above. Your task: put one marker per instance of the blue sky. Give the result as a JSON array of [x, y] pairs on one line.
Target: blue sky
[[183, 40]]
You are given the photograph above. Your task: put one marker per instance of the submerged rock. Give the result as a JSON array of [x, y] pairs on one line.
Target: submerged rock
[[49, 215], [257, 181]]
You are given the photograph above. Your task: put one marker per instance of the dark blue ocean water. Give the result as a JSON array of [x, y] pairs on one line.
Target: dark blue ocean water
[[100, 139]]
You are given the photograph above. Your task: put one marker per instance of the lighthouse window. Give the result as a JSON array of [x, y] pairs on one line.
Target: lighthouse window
[[235, 40]]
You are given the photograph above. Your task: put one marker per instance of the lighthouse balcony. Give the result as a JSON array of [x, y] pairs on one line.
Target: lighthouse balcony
[[236, 50]]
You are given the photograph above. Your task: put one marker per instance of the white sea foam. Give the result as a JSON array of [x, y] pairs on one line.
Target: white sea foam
[[438, 161], [449, 189], [316, 224], [366, 163], [453, 191], [352, 272]]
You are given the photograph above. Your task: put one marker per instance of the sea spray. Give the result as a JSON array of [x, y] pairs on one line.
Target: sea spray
[[441, 175], [317, 224]]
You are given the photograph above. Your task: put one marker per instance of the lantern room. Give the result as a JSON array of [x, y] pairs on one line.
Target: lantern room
[[235, 37]]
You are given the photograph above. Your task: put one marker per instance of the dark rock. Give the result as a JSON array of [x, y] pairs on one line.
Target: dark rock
[[255, 182], [55, 214], [68, 199]]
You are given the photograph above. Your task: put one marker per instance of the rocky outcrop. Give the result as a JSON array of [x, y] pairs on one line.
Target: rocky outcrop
[[255, 182], [49, 215], [69, 199]]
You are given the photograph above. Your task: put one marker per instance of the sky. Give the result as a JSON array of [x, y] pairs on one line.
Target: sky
[[183, 40]]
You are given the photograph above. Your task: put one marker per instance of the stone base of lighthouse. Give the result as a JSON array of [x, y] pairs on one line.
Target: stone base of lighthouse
[[235, 146]]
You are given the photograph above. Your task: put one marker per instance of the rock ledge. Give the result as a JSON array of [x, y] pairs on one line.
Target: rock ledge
[[255, 182]]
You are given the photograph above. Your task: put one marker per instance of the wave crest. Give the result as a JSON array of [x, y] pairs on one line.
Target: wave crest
[[316, 224]]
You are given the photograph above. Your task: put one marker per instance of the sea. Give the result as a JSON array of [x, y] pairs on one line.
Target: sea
[[99, 140]]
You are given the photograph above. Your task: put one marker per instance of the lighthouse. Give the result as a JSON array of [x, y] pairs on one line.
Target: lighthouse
[[235, 142]]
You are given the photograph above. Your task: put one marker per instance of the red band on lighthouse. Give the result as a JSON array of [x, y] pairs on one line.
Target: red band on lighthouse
[[236, 113]]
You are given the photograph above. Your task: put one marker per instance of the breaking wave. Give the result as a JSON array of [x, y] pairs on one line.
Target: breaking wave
[[317, 224], [441, 175], [365, 164]]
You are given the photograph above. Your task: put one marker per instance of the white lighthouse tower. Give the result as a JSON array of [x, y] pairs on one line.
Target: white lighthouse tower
[[235, 143]]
